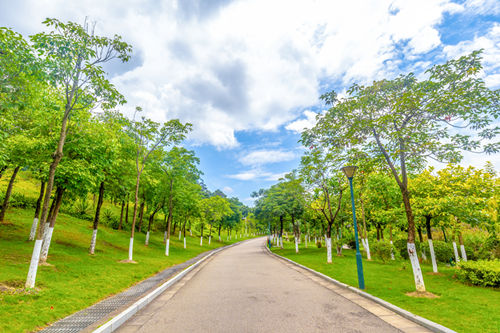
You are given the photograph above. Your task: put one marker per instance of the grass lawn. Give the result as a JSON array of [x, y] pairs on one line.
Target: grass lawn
[[460, 307], [77, 280]]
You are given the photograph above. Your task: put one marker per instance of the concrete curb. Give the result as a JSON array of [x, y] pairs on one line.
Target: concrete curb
[[435, 327], [121, 318]]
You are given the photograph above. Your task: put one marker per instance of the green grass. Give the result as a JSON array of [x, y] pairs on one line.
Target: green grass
[[77, 280], [460, 307]]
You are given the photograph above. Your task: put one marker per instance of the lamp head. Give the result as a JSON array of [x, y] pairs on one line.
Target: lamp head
[[349, 171]]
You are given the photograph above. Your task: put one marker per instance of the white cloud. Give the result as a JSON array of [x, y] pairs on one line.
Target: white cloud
[[299, 125], [490, 42], [256, 174], [261, 157], [227, 190], [246, 65]]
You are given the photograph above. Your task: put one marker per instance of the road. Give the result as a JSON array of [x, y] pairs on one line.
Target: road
[[245, 289]]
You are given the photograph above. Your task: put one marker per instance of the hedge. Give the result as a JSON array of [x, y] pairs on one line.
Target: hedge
[[480, 273]]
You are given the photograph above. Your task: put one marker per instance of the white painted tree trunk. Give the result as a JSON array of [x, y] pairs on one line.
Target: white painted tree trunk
[[180, 233], [281, 241], [33, 229], [363, 243], [164, 237], [424, 256], [147, 238], [131, 248], [209, 239], [457, 258], [464, 254], [417, 272], [392, 252], [201, 240], [305, 241], [433, 256], [184, 242], [328, 250], [93, 241], [368, 254], [167, 247], [46, 244], [219, 238], [296, 245], [35, 259]]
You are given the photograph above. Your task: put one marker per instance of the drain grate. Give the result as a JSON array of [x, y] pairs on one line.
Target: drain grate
[[86, 317]]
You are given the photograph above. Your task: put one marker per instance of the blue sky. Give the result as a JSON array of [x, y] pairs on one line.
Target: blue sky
[[248, 73]]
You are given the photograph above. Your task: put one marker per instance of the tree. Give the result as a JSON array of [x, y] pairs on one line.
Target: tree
[[408, 121], [320, 169], [149, 136], [72, 58]]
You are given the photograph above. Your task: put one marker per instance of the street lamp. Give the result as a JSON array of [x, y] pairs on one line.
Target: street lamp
[[349, 172]]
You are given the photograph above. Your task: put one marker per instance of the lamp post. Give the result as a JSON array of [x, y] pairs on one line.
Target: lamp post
[[349, 172]]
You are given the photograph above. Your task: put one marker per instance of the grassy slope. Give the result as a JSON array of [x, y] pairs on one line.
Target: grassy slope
[[460, 307], [75, 280]]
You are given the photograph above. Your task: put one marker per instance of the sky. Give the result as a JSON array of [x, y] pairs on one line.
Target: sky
[[248, 73]]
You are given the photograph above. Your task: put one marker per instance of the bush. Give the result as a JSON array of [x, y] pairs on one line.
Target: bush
[[318, 244], [381, 250], [480, 273], [442, 250], [21, 201]]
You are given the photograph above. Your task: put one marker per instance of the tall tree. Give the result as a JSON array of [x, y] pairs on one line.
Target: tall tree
[[407, 121], [72, 58]]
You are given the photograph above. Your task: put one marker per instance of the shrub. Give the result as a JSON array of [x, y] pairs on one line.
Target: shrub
[[442, 250], [481, 273], [381, 250], [21, 201], [318, 244]]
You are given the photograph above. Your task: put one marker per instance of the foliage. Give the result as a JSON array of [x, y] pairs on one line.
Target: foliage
[[381, 250], [442, 250], [483, 273]]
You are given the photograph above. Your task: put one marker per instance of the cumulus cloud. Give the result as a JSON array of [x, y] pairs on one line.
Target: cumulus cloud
[[490, 43], [299, 125], [261, 157], [257, 174], [228, 66]]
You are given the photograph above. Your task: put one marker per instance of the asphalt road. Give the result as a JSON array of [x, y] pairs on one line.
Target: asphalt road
[[244, 289]]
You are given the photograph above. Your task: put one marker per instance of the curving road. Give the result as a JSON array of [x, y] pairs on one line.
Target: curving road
[[244, 289]]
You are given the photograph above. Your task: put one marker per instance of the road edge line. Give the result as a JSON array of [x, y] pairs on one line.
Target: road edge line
[[433, 326], [118, 320]]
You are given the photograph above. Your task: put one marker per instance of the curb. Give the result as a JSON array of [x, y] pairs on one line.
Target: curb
[[435, 327], [121, 318]]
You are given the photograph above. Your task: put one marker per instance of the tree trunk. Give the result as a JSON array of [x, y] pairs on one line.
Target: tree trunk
[[165, 231], [462, 246], [444, 235], [141, 214], [412, 252], [126, 209], [431, 245], [220, 227], [100, 199], [121, 216], [209, 234], [281, 231], [169, 218], [48, 234], [34, 226], [457, 258], [378, 232], [184, 231], [150, 222], [134, 216], [201, 236], [5, 204], [420, 237], [390, 239]]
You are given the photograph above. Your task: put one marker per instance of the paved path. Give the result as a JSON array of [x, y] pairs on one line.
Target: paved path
[[244, 289]]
